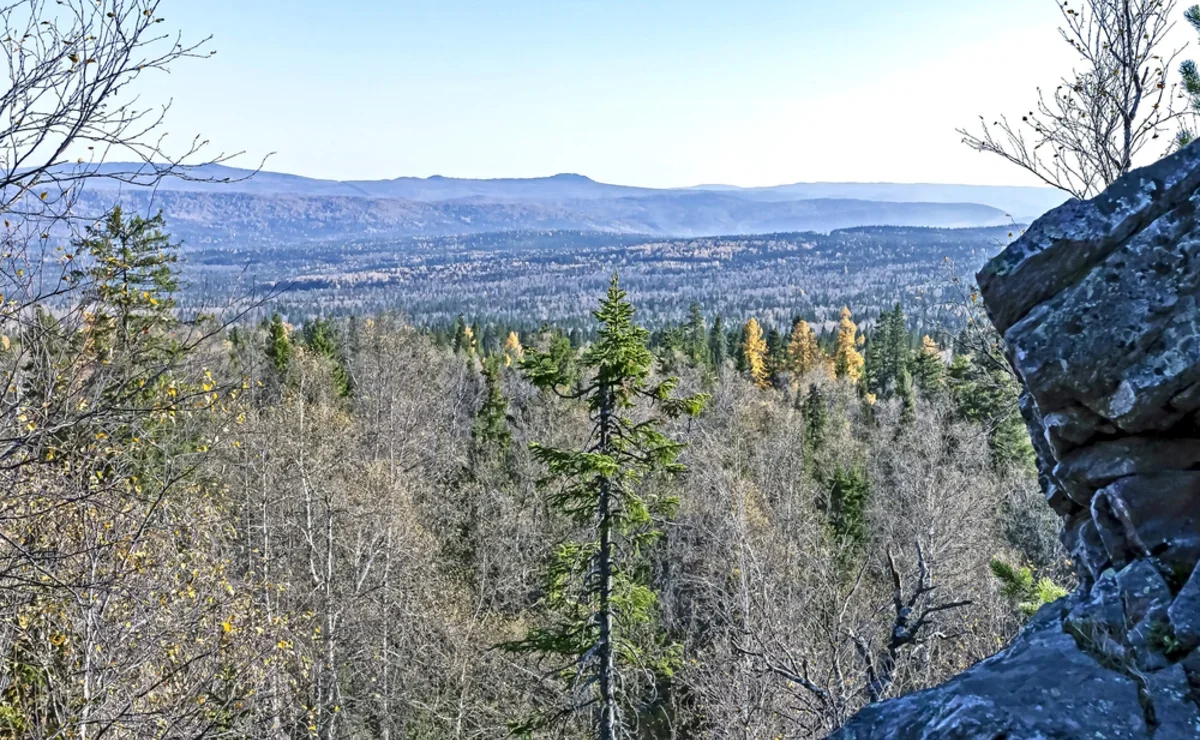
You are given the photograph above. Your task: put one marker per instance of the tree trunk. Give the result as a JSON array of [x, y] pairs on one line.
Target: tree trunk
[[608, 703]]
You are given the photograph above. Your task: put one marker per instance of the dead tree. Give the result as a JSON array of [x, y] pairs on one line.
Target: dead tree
[[836, 696], [912, 616]]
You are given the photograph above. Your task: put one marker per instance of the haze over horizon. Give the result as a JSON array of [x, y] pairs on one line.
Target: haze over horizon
[[657, 94], [268, 168]]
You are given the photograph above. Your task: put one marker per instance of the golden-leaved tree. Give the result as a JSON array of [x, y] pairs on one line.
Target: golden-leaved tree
[[754, 349], [847, 360], [804, 355], [513, 351]]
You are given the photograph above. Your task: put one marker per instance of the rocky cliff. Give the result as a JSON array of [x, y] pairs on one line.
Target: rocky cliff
[[1097, 303]]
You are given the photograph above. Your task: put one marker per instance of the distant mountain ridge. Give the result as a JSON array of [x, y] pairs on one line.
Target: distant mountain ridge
[[249, 220], [227, 205]]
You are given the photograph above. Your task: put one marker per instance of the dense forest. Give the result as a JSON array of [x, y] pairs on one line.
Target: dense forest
[[520, 280], [356, 528], [559, 483]]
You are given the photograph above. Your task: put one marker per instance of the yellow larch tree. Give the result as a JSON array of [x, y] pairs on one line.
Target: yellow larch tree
[[754, 348], [804, 355], [847, 360], [513, 351]]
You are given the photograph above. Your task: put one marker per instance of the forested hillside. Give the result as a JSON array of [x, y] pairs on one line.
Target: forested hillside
[[343, 529], [242, 220], [520, 280], [230, 208]]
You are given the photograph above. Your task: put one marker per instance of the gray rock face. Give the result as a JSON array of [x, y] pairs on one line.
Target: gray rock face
[[1041, 686], [1099, 306], [1142, 588], [1185, 615]]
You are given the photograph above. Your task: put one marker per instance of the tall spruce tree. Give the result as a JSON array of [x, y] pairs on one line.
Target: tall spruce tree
[[988, 396], [776, 355], [718, 345], [887, 367], [874, 366], [599, 605], [928, 369], [490, 430], [459, 334], [279, 345], [815, 417], [697, 337], [896, 348]]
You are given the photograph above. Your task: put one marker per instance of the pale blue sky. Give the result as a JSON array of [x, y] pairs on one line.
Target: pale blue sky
[[646, 92]]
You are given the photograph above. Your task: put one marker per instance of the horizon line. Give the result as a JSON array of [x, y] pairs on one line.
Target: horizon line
[[701, 185]]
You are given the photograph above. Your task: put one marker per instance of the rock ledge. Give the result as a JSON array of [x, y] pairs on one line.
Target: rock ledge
[[1098, 306]]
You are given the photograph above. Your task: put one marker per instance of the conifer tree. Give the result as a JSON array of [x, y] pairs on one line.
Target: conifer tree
[[886, 367], [459, 334], [697, 337], [738, 347], [599, 605], [873, 377], [804, 355], [815, 418], [754, 350], [848, 491], [896, 345], [672, 345], [466, 337], [490, 430], [321, 338], [776, 351], [279, 345], [907, 394], [718, 345], [559, 350], [133, 273], [128, 299], [1189, 79], [989, 396], [847, 361], [476, 338], [928, 369], [1018, 586], [110, 507]]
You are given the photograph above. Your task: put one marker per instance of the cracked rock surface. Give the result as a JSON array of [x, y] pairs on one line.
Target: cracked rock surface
[[1099, 306]]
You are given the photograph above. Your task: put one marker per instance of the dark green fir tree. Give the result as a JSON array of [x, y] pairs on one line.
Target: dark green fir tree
[[279, 345], [599, 612]]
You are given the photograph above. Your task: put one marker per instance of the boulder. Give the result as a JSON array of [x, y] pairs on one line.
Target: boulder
[[1168, 697], [1156, 514], [1041, 686], [1142, 588], [1085, 470], [1099, 306]]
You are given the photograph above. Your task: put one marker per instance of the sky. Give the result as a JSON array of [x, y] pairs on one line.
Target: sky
[[642, 92]]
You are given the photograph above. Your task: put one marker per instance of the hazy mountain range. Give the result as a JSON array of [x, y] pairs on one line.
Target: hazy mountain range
[[238, 207]]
